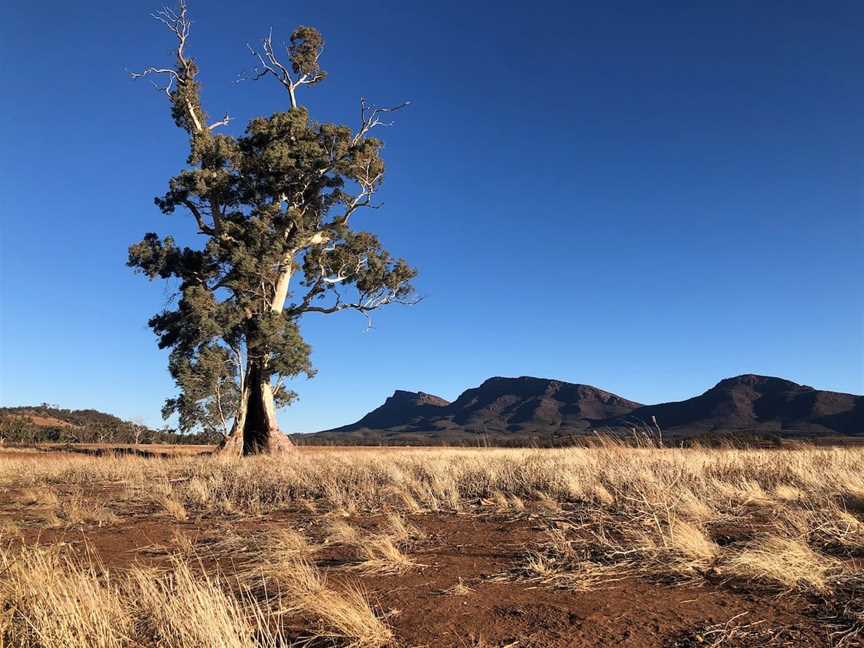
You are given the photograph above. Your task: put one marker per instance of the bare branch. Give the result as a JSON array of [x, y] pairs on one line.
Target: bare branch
[[150, 71], [222, 122], [153, 70], [179, 24], [370, 117], [270, 64]]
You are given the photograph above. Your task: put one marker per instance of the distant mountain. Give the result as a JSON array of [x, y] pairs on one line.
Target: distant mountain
[[402, 408], [553, 411], [500, 407], [760, 404], [523, 404]]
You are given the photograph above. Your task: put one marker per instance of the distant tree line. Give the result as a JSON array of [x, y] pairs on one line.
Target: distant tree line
[[738, 439], [50, 424]]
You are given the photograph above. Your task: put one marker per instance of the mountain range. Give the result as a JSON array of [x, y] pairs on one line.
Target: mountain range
[[523, 408]]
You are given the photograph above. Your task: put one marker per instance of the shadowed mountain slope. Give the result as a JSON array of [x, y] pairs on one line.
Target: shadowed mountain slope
[[402, 408], [757, 404], [499, 407], [553, 410]]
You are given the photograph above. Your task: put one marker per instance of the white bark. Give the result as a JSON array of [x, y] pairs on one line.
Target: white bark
[[282, 284]]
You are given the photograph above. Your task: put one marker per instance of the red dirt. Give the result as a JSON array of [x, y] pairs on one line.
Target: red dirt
[[477, 549]]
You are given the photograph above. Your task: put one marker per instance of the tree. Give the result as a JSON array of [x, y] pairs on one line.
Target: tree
[[138, 429], [276, 208]]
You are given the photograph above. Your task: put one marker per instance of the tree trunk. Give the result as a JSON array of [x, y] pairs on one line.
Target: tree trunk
[[255, 429]]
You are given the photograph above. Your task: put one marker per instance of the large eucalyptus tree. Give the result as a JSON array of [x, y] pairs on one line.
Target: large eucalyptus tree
[[275, 208]]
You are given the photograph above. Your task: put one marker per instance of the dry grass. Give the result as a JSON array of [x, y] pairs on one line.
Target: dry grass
[[693, 482], [174, 508], [77, 510], [782, 562], [400, 530], [288, 543], [184, 609], [345, 614], [380, 554], [737, 631], [46, 599], [341, 532], [459, 589], [777, 519], [9, 529], [39, 497], [572, 565]]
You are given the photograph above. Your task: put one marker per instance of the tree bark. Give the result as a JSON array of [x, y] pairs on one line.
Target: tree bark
[[256, 429]]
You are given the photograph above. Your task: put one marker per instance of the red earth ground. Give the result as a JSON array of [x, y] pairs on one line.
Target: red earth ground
[[482, 549]]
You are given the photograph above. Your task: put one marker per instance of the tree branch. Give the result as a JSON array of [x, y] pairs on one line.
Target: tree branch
[[370, 117], [179, 24], [146, 72], [222, 122], [272, 65], [365, 304], [203, 228]]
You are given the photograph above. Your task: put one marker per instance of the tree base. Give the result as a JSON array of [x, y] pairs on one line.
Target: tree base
[[239, 444]]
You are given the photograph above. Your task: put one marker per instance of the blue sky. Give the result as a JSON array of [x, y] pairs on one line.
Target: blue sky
[[647, 197]]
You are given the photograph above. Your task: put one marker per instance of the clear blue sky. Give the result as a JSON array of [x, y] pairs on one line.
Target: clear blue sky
[[646, 197]]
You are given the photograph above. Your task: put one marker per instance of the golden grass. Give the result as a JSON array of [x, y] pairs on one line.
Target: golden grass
[[691, 543], [77, 510], [380, 554], [345, 614], [40, 497], [186, 609], [341, 532], [783, 519], [400, 530], [48, 600], [785, 563], [691, 481], [174, 508], [288, 543]]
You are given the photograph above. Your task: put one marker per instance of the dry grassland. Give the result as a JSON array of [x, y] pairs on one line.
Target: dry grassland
[[435, 547]]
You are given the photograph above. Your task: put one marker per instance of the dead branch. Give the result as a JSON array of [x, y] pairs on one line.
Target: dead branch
[[179, 24], [370, 117], [269, 64]]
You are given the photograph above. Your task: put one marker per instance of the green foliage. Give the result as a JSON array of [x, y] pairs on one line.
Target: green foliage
[[185, 98], [273, 204], [209, 393], [306, 46]]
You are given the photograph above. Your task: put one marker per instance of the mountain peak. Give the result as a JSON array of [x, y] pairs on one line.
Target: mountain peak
[[759, 383], [418, 398]]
